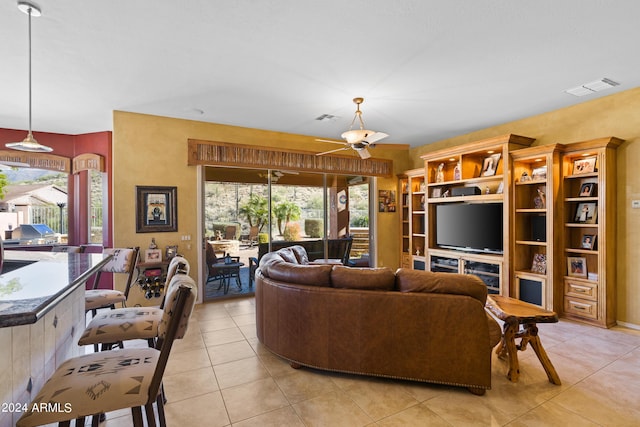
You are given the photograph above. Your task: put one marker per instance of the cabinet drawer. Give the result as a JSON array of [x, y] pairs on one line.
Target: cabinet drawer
[[580, 307], [574, 288]]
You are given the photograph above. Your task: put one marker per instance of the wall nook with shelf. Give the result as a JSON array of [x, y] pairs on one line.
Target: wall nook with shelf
[[536, 245], [412, 210]]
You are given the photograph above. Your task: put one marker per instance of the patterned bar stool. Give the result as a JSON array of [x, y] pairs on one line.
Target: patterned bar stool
[[111, 327], [125, 378], [123, 262]]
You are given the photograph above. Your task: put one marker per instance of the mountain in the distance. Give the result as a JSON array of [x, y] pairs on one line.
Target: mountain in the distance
[[15, 176]]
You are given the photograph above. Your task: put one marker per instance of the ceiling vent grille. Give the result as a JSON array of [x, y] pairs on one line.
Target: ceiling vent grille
[[592, 87], [326, 117]]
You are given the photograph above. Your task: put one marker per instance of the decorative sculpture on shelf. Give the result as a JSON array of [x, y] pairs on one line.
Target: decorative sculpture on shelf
[[539, 202], [440, 173]]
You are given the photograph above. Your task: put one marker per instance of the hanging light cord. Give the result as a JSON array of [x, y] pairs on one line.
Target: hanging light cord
[[29, 11]]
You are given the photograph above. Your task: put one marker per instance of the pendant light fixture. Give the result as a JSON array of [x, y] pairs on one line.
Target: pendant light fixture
[[29, 143]]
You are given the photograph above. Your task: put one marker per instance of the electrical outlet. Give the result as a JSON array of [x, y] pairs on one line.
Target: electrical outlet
[[635, 204]]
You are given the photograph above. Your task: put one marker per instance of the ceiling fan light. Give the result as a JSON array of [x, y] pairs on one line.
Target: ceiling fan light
[[356, 135], [29, 144]]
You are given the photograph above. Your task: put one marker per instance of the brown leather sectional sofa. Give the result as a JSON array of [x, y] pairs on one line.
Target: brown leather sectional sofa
[[410, 324]]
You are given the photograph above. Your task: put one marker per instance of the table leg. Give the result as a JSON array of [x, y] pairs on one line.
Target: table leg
[[509, 336], [534, 340], [227, 279]]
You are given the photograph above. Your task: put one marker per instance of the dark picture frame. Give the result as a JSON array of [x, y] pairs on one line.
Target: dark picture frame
[[156, 209], [586, 213], [170, 252], [584, 165], [587, 189], [576, 266], [386, 201], [490, 165]]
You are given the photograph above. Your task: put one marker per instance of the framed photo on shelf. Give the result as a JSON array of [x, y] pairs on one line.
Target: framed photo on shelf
[[589, 241], [490, 165], [587, 189], [539, 264], [584, 165], [586, 213], [156, 209], [170, 252], [153, 255], [539, 174], [436, 192], [576, 266]]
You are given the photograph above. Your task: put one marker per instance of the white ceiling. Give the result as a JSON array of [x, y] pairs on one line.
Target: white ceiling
[[427, 69]]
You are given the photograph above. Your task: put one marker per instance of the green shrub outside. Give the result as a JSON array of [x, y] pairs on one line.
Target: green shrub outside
[[313, 227]]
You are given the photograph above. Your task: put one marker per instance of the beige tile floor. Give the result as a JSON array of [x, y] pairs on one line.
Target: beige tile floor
[[220, 375]]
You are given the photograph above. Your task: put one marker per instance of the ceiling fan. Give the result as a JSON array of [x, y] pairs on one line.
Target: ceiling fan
[[277, 174], [360, 139]]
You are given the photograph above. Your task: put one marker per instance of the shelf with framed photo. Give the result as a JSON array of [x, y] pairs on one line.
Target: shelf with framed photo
[[412, 188], [589, 232], [535, 248]]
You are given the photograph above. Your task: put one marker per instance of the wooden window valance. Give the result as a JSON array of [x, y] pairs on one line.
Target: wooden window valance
[[88, 161], [226, 154], [52, 162], [36, 160]]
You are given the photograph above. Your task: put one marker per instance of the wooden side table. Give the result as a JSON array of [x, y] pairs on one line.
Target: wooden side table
[[514, 313]]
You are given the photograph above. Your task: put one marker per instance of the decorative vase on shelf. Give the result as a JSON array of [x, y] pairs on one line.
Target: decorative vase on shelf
[[457, 172]]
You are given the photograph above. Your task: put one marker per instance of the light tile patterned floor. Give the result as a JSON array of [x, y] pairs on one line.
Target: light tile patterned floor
[[220, 375]]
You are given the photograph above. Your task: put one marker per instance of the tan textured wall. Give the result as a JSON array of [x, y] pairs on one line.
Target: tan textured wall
[[152, 150], [615, 115]]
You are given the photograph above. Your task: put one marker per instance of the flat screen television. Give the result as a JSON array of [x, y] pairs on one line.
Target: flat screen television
[[475, 227]]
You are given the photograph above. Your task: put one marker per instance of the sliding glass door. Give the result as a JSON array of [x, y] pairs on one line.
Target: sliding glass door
[[247, 211]]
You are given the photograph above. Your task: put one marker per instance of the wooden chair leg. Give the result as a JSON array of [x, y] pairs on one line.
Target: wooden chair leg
[[160, 404], [151, 415], [136, 413]]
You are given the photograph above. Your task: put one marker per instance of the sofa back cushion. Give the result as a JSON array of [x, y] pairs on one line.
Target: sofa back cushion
[[442, 283], [300, 253], [311, 275], [288, 255], [381, 279]]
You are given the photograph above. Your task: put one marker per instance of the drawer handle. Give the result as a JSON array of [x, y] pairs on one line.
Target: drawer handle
[[579, 289], [579, 307]]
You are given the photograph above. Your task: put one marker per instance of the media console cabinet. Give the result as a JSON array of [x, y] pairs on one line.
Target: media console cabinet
[[558, 210]]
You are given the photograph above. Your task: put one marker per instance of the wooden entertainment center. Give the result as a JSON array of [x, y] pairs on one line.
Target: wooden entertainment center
[[556, 217]]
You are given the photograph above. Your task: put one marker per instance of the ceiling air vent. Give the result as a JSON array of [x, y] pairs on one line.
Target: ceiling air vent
[[592, 87], [326, 117]]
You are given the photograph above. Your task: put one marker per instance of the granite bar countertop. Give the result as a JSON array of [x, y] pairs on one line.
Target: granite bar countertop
[[42, 280]]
